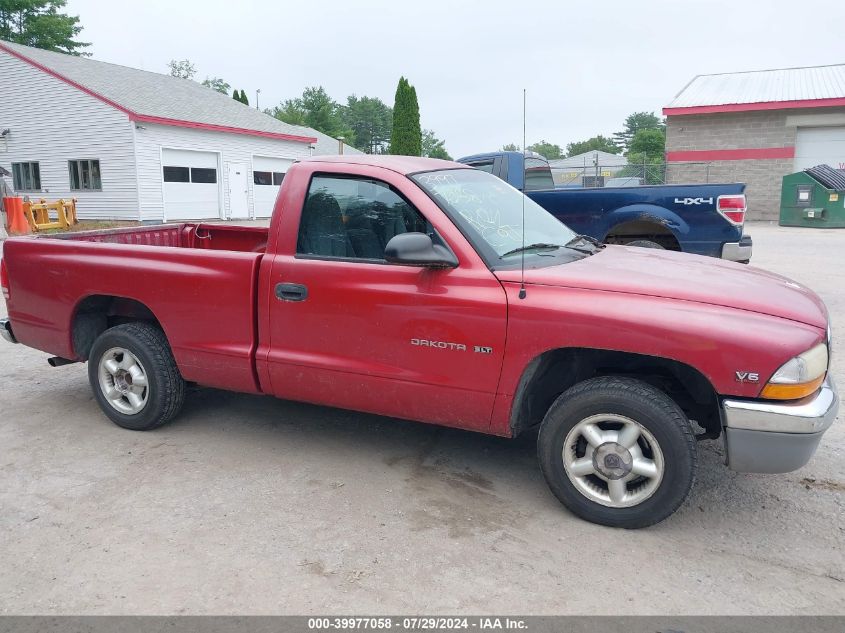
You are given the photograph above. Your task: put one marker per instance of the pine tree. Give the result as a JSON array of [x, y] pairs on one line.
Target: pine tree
[[244, 100], [236, 95], [406, 138]]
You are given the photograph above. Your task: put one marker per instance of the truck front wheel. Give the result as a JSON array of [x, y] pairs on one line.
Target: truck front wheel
[[134, 377], [618, 452]]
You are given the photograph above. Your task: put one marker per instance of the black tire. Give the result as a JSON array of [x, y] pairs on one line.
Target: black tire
[[649, 408], [645, 244], [165, 388]]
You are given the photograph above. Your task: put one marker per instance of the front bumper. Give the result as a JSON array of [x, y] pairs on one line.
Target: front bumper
[[738, 251], [777, 437], [6, 331]]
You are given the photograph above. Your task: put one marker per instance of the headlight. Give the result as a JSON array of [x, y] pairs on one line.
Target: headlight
[[798, 377]]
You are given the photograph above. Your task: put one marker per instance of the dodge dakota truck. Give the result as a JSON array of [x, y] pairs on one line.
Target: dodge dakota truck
[[426, 290], [705, 219]]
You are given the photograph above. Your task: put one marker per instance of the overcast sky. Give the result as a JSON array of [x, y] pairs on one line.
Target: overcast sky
[[586, 65]]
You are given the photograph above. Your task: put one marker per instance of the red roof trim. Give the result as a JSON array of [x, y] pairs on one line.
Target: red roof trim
[[760, 153], [134, 116], [144, 118], [751, 107]]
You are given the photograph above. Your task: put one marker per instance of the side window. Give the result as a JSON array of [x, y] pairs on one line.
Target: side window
[[485, 165], [353, 218]]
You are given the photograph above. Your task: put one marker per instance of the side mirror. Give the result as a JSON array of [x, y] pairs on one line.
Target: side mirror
[[417, 249]]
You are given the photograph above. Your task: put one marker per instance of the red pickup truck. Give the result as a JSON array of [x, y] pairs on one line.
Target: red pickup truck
[[395, 285]]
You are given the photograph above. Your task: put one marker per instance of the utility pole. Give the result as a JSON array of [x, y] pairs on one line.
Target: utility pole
[[257, 92]]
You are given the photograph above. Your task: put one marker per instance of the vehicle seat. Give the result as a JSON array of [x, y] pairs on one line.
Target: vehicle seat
[[322, 231], [390, 212], [363, 237]]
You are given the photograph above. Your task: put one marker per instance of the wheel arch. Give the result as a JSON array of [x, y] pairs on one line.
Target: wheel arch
[[95, 313], [556, 370], [645, 222]]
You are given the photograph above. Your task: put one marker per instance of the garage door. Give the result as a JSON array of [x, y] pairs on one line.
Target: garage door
[[820, 146], [267, 176], [191, 185]]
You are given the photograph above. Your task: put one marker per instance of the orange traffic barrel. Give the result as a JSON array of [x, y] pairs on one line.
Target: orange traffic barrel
[[17, 223]]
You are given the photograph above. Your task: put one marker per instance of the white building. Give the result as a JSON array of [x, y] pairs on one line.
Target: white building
[[136, 145]]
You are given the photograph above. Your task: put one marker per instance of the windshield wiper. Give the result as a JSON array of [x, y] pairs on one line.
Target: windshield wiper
[[529, 247], [581, 239]]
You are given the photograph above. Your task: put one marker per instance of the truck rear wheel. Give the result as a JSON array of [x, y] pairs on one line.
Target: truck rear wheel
[[644, 244], [134, 377], [618, 452]]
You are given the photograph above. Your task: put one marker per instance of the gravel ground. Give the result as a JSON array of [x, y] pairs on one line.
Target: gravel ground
[[254, 505]]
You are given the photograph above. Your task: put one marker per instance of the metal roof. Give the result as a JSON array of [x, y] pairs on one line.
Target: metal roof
[[158, 98], [812, 86]]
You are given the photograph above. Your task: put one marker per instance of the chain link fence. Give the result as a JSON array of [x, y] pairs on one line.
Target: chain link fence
[[633, 175]]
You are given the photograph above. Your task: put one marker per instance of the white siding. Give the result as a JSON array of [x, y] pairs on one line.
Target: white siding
[[51, 123], [233, 148], [265, 195]]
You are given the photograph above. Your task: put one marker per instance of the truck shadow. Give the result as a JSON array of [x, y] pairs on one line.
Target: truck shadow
[[450, 468]]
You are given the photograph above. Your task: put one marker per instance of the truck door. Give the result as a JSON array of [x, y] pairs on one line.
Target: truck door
[[347, 329]]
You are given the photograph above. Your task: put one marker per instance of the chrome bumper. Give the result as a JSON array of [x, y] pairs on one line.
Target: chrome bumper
[[6, 331], [738, 251], [773, 437]]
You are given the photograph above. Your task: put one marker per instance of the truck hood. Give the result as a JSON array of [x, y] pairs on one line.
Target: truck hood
[[672, 275]]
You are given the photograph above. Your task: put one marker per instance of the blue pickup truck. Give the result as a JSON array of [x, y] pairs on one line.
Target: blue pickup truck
[[703, 219]]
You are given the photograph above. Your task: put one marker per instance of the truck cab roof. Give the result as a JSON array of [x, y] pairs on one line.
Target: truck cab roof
[[401, 164]]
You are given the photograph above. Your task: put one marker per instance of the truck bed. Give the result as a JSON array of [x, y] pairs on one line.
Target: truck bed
[[246, 239], [199, 281]]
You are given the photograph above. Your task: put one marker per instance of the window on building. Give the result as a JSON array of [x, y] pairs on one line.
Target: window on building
[[278, 177], [85, 175], [203, 175], [26, 177], [262, 177], [177, 174]]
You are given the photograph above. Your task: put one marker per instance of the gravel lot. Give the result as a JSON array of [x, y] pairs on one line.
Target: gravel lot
[[254, 505]]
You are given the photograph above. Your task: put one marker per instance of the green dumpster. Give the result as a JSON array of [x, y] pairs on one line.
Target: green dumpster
[[813, 197]]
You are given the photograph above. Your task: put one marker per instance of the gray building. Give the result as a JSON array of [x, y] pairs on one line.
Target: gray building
[[755, 127]]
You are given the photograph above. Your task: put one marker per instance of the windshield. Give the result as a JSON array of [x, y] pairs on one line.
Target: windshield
[[489, 209]]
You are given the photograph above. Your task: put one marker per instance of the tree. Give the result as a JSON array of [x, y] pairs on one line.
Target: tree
[[370, 121], [183, 69], [215, 83], [316, 109], [433, 147], [406, 138], [510, 147], [549, 151], [38, 23], [236, 95], [244, 98], [597, 143], [635, 122], [648, 142], [289, 111]]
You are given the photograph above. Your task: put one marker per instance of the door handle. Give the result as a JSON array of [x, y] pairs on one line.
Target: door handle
[[291, 292]]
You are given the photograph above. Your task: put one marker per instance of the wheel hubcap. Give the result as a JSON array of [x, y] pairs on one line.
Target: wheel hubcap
[[123, 381], [613, 460]]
